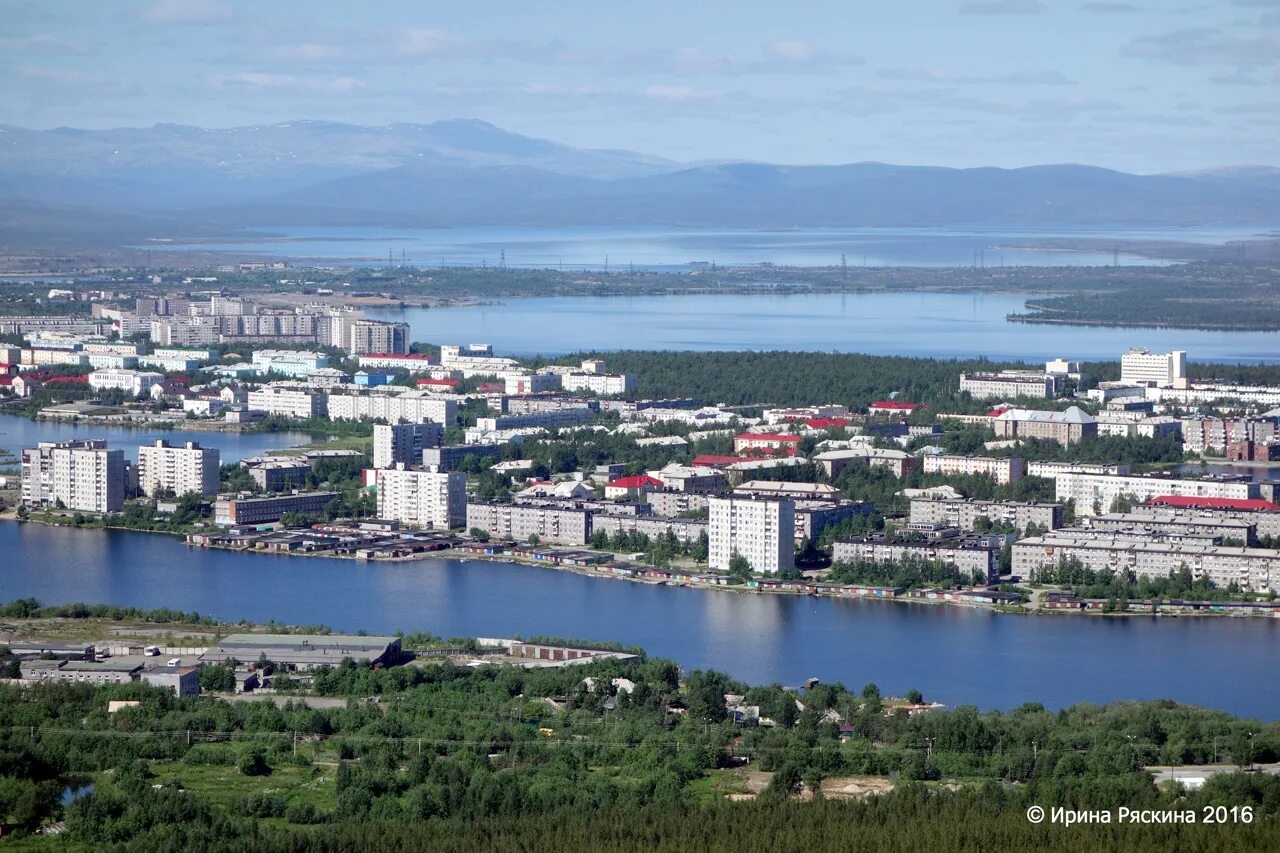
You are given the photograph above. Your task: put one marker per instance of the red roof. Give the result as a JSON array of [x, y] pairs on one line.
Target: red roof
[[637, 481], [767, 436], [895, 405], [713, 460], [409, 355], [998, 411], [827, 423], [492, 387], [66, 380], [1214, 503]]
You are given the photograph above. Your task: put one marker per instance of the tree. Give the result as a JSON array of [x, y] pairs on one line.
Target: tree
[[871, 691], [915, 697], [739, 566], [217, 679]]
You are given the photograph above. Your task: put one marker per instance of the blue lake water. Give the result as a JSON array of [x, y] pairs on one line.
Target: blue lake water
[[953, 655], [616, 247], [17, 433], [934, 325]]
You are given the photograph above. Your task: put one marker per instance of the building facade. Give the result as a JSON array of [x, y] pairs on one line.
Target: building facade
[[1002, 470], [404, 443], [182, 470], [78, 475], [429, 499], [761, 530]]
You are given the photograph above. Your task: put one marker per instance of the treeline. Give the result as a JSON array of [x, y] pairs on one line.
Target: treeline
[[32, 608], [1120, 586]]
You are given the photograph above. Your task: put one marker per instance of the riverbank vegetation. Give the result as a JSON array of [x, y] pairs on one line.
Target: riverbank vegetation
[[640, 757]]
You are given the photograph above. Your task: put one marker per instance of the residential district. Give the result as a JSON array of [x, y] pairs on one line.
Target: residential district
[[458, 447]]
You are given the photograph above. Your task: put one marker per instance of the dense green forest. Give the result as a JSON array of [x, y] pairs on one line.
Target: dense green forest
[[442, 757]]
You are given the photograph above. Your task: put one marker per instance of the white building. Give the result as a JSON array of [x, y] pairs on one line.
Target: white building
[[410, 407], [294, 363], [1094, 493], [598, 383], [370, 336], [428, 498], [761, 530], [403, 443], [1008, 384], [111, 361], [1000, 469], [79, 475], [1143, 367], [531, 383], [169, 363], [289, 401], [135, 383], [181, 470], [184, 331], [412, 362]]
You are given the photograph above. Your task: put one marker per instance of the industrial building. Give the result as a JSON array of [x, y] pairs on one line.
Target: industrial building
[[303, 652]]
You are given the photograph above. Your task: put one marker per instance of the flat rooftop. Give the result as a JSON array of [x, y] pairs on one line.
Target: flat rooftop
[[311, 649]]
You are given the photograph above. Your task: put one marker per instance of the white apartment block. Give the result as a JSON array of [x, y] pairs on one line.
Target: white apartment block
[[1261, 395], [50, 355], [436, 499], [184, 331], [1094, 493], [181, 470], [478, 360], [362, 337], [963, 513], [1143, 367], [413, 407], [403, 443], [531, 383], [294, 363], [289, 401], [135, 383], [1251, 569], [599, 383], [82, 475], [111, 361], [412, 362], [1008, 384], [761, 530], [1003, 471], [552, 523], [169, 363], [1050, 470]]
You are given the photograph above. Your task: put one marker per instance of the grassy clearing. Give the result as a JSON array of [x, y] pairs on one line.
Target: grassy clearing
[[225, 785]]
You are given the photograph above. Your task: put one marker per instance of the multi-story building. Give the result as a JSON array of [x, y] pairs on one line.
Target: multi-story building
[[1067, 427], [236, 511], [976, 556], [548, 418], [787, 489], [448, 458], [436, 499], [1263, 516], [184, 331], [78, 475], [653, 526], [694, 479], [110, 361], [814, 516], [761, 530], [180, 470], [1002, 470], [552, 523], [1249, 569], [1096, 493], [1008, 384], [293, 363], [278, 474], [135, 383], [1050, 470], [1169, 522], [404, 443], [766, 442], [289, 401], [676, 503], [373, 336], [598, 383], [1212, 436], [963, 513], [530, 383], [413, 407], [1143, 367], [169, 363], [412, 362], [899, 462]]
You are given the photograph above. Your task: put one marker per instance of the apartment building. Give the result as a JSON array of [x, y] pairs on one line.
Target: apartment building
[[598, 383], [1250, 569], [670, 503], [964, 513], [1172, 522], [435, 499], [278, 474], [289, 401], [548, 418], [766, 442], [1000, 469], [1008, 384], [899, 462], [693, 479], [1213, 436], [1050, 470], [761, 530], [530, 383], [237, 511], [293, 363], [1096, 493], [412, 362], [1143, 367], [1263, 516], [404, 443], [448, 458], [189, 468], [976, 556], [78, 475], [653, 526], [184, 331], [408, 407], [134, 383], [552, 523], [363, 337], [1067, 427]]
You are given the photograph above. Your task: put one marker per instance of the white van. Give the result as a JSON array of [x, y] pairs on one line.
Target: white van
[[174, 662], [151, 651]]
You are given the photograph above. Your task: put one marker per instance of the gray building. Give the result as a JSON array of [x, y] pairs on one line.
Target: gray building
[[963, 513], [182, 680], [974, 555], [1171, 522], [676, 503], [237, 511], [303, 651], [562, 524], [653, 526], [278, 475], [448, 458]]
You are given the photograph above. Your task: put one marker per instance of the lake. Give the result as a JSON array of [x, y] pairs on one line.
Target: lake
[[618, 247], [953, 655], [933, 325], [18, 432]]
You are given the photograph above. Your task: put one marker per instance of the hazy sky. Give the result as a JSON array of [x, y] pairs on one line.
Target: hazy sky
[[1148, 85]]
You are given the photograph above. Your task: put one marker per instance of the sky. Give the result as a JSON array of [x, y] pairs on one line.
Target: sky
[[1144, 86]]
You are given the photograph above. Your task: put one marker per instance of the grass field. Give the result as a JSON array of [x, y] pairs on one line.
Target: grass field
[[223, 786]]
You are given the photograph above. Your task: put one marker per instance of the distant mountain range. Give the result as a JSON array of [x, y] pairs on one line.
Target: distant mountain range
[[170, 178]]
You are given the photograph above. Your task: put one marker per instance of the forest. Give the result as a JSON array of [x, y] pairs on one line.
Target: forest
[[613, 755]]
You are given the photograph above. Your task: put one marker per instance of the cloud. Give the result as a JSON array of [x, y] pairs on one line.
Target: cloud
[[677, 93], [1209, 46], [942, 75], [41, 44], [1236, 79], [314, 84], [186, 12], [426, 41], [1002, 7], [1103, 8]]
